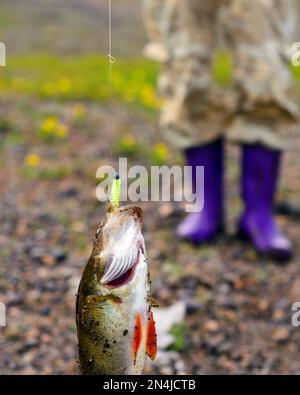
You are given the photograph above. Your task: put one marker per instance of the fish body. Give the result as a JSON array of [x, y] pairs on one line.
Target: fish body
[[115, 325]]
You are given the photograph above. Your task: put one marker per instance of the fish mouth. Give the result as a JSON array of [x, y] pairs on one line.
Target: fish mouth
[[123, 246], [124, 278]]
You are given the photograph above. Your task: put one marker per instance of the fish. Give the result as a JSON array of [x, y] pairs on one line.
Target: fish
[[115, 324]]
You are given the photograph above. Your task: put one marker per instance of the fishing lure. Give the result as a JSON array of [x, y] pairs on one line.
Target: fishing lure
[[115, 191]]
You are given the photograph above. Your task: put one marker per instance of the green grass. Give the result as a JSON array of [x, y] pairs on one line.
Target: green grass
[[85, 77], [57, 172], [296, 73], [179, 332]]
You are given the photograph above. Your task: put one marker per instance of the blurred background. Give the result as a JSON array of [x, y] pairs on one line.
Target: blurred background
[[57, 127]]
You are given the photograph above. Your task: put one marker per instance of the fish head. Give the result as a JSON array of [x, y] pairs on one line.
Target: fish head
[[117, 245]]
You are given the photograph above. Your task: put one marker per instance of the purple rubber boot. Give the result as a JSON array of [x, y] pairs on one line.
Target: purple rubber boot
[[259, 183], [202, 226]]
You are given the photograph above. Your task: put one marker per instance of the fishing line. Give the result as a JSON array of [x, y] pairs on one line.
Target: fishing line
[[116, 186], [111, 61]]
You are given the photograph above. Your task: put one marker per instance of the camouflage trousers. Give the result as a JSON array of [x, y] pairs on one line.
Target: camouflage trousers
[[226, 69]]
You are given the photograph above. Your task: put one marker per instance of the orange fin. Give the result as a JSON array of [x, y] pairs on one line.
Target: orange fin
[[137, 336], [151, 342]]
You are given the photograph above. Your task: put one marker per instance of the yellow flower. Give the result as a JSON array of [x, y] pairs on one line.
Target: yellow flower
[[149, 98], [64, 85], [49, 124], [33, 160], [79, 110], [61, 130], [161, 151], [128, 141]]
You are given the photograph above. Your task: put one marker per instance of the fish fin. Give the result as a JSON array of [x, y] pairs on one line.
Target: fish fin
[[137, 336], [121, 262], [151, 341], [102, 298]]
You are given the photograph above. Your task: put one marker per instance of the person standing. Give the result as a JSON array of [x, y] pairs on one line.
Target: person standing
[[226, 76]]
